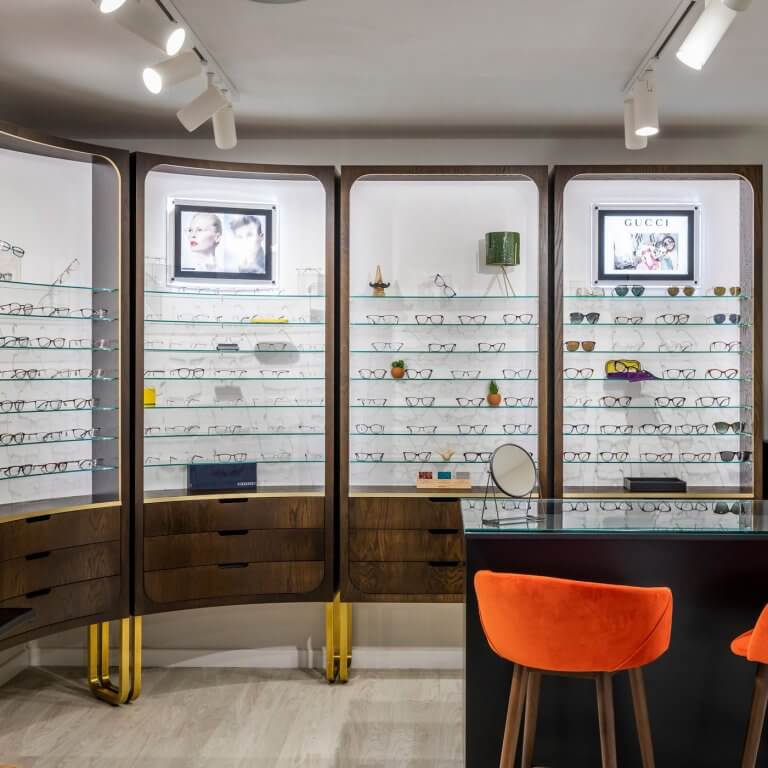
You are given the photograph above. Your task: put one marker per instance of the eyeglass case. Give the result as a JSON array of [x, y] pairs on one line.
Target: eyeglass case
[[655, 485]]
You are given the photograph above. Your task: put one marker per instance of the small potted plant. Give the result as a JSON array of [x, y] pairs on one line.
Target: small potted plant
[[397, 369], [494, 396]]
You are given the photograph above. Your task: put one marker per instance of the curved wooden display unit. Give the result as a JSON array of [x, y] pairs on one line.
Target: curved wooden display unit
[[275, 544], [65, 562]]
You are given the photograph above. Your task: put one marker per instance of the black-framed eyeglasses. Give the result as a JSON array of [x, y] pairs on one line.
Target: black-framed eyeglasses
[[417, 455], [725, 346], [448, 292], [16, 250], [679, 373], [484, 346], [575, 429], [655, 429], [616, 429], [473, 456], [419, 402], [369, 429], [669, 402], [656, 457], [188, 373], [611, 456], [435, 347], [430, 319], [719, 373], [571, 456], [609, 401], [742, 456], [673, 319], [473, 319], [713, 402]]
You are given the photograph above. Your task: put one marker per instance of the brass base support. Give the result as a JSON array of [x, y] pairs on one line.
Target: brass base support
[[338, 640], [128, 687]]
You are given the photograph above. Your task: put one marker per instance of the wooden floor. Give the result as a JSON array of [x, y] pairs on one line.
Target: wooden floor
[[232, 718]]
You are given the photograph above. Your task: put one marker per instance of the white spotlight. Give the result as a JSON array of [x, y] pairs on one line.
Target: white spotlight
[[109, 6], [708, 31], [203, 108], [224, 130], [631, 139], [646, 109], [171, 72], [145, 19]]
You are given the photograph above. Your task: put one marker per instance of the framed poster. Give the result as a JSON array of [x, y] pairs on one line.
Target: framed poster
[[644, 244], [223, 242]]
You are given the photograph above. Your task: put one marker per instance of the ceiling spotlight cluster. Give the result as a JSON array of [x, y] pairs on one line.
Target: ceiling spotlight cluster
[[151, 21], [641, 111]]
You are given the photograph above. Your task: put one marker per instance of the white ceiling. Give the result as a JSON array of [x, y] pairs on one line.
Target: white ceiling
[[394, 68]]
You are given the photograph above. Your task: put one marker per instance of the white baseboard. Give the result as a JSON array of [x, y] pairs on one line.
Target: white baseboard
[[13, 666], [364, 657]]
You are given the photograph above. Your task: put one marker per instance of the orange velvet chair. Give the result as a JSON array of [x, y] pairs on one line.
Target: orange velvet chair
[[556, 626], [753, 646]]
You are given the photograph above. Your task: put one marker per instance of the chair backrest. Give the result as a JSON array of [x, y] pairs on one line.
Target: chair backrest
[[758, 644], [573, 626]]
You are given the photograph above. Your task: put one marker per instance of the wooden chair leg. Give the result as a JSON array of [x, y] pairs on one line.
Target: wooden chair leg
[[642, 722], [531, 716], [756, 717], [514, 714], [605, 715]]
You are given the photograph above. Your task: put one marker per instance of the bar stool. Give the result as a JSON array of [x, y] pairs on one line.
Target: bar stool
[[572, 628], [753, 646]]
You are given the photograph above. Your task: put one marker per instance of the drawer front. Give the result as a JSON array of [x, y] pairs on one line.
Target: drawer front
[[437, 544], [445, 578], [171, 517], [233, 546], [233, 580], [41, 571], [71, 601], [405, 513], [68, 529]]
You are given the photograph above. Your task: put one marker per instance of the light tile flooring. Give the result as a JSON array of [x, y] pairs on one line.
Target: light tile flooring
[[235, 718]]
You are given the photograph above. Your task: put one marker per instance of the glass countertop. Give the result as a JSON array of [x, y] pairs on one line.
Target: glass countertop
[[615, 516]]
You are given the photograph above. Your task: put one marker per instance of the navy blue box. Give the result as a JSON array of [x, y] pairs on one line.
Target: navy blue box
[[221, 478]]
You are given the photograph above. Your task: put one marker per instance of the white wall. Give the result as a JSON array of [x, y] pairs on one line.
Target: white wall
[[400, 627]]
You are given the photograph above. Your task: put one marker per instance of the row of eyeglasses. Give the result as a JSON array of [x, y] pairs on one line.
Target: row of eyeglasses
[[687, 457], [667, 318], [27, 310], [51, 467], [469, 456], [438, 319], [718, 428], [673, 374], [27, 406], [233, 458], [431, 429], [55, 342], [426, 373], [58, 436], [428, 402], [678, 401], [195, 430]]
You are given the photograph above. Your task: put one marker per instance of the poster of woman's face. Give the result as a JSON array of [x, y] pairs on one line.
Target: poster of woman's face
[[223, 243], [645, 244]]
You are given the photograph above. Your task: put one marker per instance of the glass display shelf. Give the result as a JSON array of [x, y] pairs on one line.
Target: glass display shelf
[[442, 352], [433, 297], [657, 380], [417, 462], [225, 463], [239, 323], [38, 475], [428, 326], [674, 436], [237, 351], [658, 352], [57, 442], [465, 380], [200, 294], [657, 326], [427, 435], [235, 378], [656, 407], [9, 347], [264, 491], [24, 380], [449, 407], [173, 435], [213, 406], [666, 297], [21, 316], [95, 409], [58, 286], [654, 463]]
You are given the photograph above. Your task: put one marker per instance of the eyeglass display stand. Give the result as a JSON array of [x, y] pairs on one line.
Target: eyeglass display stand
[[425, 228], [698, 417], [235, 372], [64, 518]]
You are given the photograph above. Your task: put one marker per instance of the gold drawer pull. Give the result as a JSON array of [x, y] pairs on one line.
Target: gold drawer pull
[[444, 531], [38, 519], [238, 532], [38, 593], [233, 565], [444, 563], [37, 556]]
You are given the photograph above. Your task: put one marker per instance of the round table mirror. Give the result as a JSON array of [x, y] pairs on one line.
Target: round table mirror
[[513, 471]]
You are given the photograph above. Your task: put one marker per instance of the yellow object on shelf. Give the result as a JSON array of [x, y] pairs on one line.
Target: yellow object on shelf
[[460, 484], [269, 320], [150, 397]]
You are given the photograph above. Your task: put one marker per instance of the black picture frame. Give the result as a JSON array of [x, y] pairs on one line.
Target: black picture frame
[[265, 216], [638, 216]]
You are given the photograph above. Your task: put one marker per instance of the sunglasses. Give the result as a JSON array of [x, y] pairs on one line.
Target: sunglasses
[[573, 346], [720, 290], [580, 317], [688, 290], [720, 318], [722, 427], [623, 290]]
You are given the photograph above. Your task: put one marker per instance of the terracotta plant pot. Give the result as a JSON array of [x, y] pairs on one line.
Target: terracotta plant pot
[[397, 373], [494, 400]]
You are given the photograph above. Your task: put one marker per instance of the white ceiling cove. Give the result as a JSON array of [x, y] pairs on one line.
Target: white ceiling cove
[[372, 68]]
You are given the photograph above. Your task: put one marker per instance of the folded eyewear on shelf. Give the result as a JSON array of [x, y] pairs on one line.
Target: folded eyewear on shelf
[[578, 373], [695, 457], [180, 429], [473, 319], [676, 346], [722, 427], [191, 400], [477, 455], [578, 402], [6, 276], [230, 457], [524, 319], [472, 429], [738, 455], [5, 246], [720, 290], [713, 402], [661, 506], [656, 457], [383, 319], [679, 373], [655, 429], [387, 346], [691, 506], [575, 506], [575, 429], [586, 292], [430, 319], [724, 508], [434, 347], [628, 320], [372, 373], [469, 402], [517, 429], [614, 455], [371, 402], [623, 290], [570, 456], [448, 292], [413, 373], [417, 455], [573, 346], [720, 318], [719, 373], [725, 346], [25, 470], [616, 429], [484, 346], [225, 429], [615, 506], [688, 290], [188, 373], [518, 402], [465, 374], [369, 456], [669, 402], [419, 402], [580, 317], [369, 429], [232, 373], [517, 373], [609, 401], [422, 430], [691, 429], [271, 346], [672, 319]]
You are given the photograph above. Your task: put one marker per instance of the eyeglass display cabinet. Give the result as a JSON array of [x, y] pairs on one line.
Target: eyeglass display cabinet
[[658, 374], [233, 370], [64, 442], [417, 295]]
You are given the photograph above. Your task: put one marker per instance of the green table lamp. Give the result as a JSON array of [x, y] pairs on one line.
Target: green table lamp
[[502, 249]]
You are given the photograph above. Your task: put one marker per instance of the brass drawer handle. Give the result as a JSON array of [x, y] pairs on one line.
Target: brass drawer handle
[[444, 563], [38, 593], [37, 556], [233, 501], [233, 565], [38, 519], [443, 531], [238, 532]]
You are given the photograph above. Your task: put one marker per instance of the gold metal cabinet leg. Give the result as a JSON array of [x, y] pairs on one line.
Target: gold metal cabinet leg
[[128, 686], [345, 635], [338, 640], [330, 641]]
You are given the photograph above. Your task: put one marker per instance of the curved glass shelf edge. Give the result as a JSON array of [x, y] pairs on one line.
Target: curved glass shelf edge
[[431, 352], [239, 378], [58, 349], [59, 286], [463, 381], [680, 297], [661, 408], [38, 475], [669, 326], [171, 436], [233, 295], [225, 463], [21, 380], [449, 407], [259, 324], [445, 325], [21, 316], [361, 297], [220, 406], [57, 442], [654, 463], [442, 434], [238, 351], [658, 352], [98, 409]]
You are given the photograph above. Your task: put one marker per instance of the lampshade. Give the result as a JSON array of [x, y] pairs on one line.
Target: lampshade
[[502, 249]]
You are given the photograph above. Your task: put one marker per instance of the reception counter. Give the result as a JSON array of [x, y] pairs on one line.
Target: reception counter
[[713, 555]]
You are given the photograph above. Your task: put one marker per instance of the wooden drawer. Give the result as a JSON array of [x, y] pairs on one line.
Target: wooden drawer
[[233, 547], [44, 533], [245, 579], [437, 544], [71, 601], [408, 578], [405, 513], [27, 575], [190, 516]]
